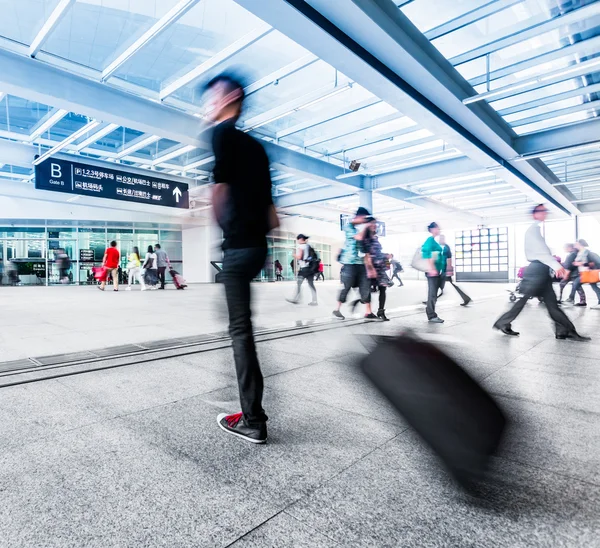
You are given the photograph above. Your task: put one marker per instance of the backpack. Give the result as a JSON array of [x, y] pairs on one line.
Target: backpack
[[418, 262], [313, 259]]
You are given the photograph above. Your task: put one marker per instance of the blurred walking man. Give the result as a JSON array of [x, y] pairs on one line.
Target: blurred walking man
[[162, 261], [538, 283], [111, 263], [432, 252], [243, 207], [307, 267], [396, 269]]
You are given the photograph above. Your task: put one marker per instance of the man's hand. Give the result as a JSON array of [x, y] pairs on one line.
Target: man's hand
[[562, 273], [433, 273], [371, 273]]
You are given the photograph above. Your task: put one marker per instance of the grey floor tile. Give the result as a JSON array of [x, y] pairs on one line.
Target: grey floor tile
[[106, 486], [541, 386], [41, 409], [397, 496], [284, 531], [308, 442], [135, 387]]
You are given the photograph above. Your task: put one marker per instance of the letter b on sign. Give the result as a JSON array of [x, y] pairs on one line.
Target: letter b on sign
[[56, 171]]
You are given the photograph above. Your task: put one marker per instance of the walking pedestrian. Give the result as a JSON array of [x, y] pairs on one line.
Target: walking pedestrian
[[538, 283], [396, 269], [243, 207], [321, 272], [110, 261], [278, 270], [573, 276], [162, 261], [376, 262], [150, 268], [307, 267], [585, 258], [354, 272], [433, 253], [134, 263], [447, 253]]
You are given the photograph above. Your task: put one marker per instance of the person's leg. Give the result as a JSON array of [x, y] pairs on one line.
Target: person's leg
[[466, 299], [348, 278], [311, 284], [382, 297], [442, 285], [563, 325], [596, 290], [574, 287], [577, 287], [115, 277], [562, 285], [239, 268], [504, 321], [364, 286], [433, 285]]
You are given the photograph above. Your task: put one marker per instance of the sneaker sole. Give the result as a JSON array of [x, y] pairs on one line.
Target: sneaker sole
[[220, 417]]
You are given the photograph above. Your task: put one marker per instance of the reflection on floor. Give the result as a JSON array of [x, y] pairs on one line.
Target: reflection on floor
[[133, 456]]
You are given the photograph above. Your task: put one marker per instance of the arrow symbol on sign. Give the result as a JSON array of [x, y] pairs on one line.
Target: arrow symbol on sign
[[177, 194]]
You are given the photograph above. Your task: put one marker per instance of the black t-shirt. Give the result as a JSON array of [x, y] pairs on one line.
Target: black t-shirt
[[242, 163]]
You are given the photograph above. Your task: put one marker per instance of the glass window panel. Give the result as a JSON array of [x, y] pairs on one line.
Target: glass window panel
[[556, 122], [466, 233], [503, 238], [94, 32], [476, 268], [116, 140], [467, 269], [22, 20], [22, 115], [485, 253], [204, 31], [485, 268], [474, 233], [67, 126], [428, 14], [494, 268]]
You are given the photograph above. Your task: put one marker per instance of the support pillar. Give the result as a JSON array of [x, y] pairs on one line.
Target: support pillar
[[365, 198]]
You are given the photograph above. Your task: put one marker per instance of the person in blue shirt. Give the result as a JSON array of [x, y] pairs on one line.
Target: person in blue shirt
[[432, 251], [354, 270]]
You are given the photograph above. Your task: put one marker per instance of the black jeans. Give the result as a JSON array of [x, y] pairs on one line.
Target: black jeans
[[161, 275], [240, 266], [308, 275], [463, 295], [355, 275], [382, 296], [538, 283], [433, 285]]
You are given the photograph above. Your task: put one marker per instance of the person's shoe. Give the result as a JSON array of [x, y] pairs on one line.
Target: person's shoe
[[235, 424], [574, 337], [569, 301], [313, 303], [293, 301], [128, 288], [338, 314], [595, 307], [100, 288], [437, 319], [580, 304], [507, 331], [144, 289], [381, 315], [372, 317], [116, 290], [466, 303]]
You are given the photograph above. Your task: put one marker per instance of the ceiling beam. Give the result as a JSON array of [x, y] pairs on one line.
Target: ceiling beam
[[49, 25], [305, 197]]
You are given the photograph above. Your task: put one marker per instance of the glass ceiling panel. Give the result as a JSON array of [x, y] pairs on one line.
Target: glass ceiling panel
[[21, 20], [67, 126], [116, 140], [428, 14], [94, 32], [17, 170], [155, 149], [204, 31], [544, 109], [258, 60], [494, 27], [553, 122], [22, 115], [393, 145]]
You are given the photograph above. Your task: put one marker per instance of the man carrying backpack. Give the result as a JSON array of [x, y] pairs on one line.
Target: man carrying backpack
[[308, 266]]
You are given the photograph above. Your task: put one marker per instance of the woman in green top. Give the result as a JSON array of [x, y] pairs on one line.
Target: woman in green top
[[432, 251]]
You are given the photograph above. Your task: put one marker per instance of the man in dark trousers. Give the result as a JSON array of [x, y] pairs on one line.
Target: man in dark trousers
[[162, 261], [573, 275], [243, 207], [447, 253], [432, 252], [537, 282], [306, 269], [396, 269]]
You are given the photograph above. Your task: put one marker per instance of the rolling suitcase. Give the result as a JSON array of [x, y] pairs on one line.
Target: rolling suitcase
[[445, 406]]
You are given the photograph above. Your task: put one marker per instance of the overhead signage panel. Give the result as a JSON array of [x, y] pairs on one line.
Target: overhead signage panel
[[99, 182]]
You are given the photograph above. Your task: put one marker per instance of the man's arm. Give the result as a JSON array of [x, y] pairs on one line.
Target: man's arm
[[539, 251], [219, 199], [104, 259]]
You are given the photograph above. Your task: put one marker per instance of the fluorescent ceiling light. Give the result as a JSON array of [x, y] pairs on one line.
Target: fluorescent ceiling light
[[49, 26], [171, 155], [170, 17], [137, 146], [96, 136], [216, 59], [199, 163], [301, 107], [574, 71], [52, 120], [79, 133]]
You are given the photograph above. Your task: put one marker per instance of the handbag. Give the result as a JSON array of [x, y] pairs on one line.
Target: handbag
[[589, 276], [100, 273], [418, 262]]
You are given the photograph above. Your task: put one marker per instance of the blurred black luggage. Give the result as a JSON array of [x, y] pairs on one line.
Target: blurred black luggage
[[445, 406]]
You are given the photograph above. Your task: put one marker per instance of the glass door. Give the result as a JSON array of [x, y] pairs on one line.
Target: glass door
[[22, 261]]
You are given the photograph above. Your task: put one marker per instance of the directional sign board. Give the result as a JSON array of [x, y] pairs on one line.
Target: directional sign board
[[86, 180]]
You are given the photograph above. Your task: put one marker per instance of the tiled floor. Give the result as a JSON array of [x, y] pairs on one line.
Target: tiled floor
[[133, 456]]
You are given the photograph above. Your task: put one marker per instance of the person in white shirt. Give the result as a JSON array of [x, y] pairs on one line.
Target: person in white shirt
[[151, 268], [537, 282], [307, 268]]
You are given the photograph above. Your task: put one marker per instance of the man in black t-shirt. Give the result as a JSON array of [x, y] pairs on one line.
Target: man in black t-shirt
[[243, 207]]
